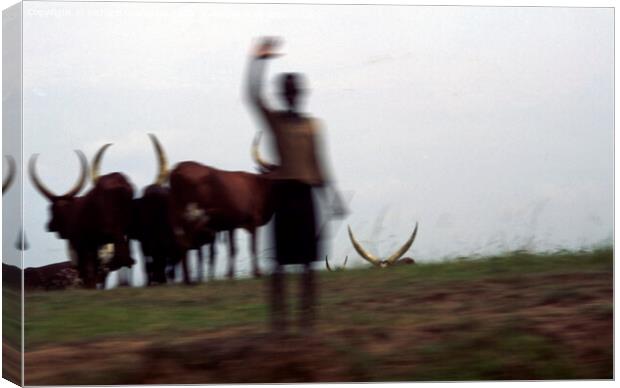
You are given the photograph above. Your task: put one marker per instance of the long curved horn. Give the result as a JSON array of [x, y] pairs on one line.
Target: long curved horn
[[94, 172], [256, 154], [327, 264], [162, 174], [10, 174], [398, 254], [362, 251], [32, 170]]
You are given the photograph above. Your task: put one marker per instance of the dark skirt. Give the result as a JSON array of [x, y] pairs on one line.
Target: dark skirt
[[294, 223]]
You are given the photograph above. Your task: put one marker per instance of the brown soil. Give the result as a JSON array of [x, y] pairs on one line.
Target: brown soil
[[577, 318]]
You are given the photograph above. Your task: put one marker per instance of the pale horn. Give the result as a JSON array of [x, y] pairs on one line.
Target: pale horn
[[327, 264], [6, 183], [365, 254], [400, 252], [390, 260], [94, 172], [162, 160], [32, 171]]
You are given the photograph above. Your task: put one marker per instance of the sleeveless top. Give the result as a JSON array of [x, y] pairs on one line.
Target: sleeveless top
[[297, 146]]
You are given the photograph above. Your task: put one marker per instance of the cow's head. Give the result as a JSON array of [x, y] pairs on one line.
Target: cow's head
[[10, 175], [62, 207], [329, 268], [393, 259]]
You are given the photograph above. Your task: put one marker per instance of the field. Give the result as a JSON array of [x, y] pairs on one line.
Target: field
[[516, 316]]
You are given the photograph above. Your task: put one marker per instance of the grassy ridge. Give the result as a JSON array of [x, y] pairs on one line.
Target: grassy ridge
[[518, 315]]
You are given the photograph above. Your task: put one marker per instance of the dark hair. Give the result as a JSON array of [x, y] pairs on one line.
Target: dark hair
[[291, 87], [289, 83]]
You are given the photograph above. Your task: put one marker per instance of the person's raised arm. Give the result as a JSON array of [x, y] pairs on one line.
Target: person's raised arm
[[261, 53]]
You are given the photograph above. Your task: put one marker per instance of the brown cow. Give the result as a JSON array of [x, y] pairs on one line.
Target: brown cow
[[95, 225], [205, 198], [393, 259], [152, 225]]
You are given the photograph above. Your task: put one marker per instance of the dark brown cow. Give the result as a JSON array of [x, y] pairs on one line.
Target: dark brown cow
[[152, 227], [207, 199], [394, 259], [95, 225], [405, 260], [152, 223], [57, 276]]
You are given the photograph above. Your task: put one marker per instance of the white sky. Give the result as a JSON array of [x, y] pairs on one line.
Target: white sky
[[491, 127]]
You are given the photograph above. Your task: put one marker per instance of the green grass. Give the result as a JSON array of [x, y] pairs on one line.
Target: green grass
[[466, 319], [79, 315]]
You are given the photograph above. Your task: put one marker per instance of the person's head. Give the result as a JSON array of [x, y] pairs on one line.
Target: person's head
[[291, 89]]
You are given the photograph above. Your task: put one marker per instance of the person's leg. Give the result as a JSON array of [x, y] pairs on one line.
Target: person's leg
[[308, 300], [185, 267], [199, 265], [278, 301]]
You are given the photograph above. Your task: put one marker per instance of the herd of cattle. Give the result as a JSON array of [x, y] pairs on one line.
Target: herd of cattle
[[182, 210]]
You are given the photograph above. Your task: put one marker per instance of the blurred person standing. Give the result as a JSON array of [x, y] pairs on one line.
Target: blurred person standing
[[299, 171]]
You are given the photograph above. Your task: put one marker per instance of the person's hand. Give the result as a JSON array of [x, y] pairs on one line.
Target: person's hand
[[266, 48]]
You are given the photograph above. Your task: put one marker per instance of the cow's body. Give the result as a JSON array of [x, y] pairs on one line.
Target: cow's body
[[405, 261], [90, 222], [152, 228], [206, 199]]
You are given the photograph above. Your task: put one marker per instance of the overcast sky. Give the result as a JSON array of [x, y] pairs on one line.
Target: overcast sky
[[491, 127]]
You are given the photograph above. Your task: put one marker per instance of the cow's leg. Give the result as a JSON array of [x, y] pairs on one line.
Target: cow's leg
[[123, 277], [200, 269], [212, 254], [148, 268], [159, 269], [171, 273], [232, 253], [101, 280], [253, 250], [87, 267], [186, 278], [122, 253]]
